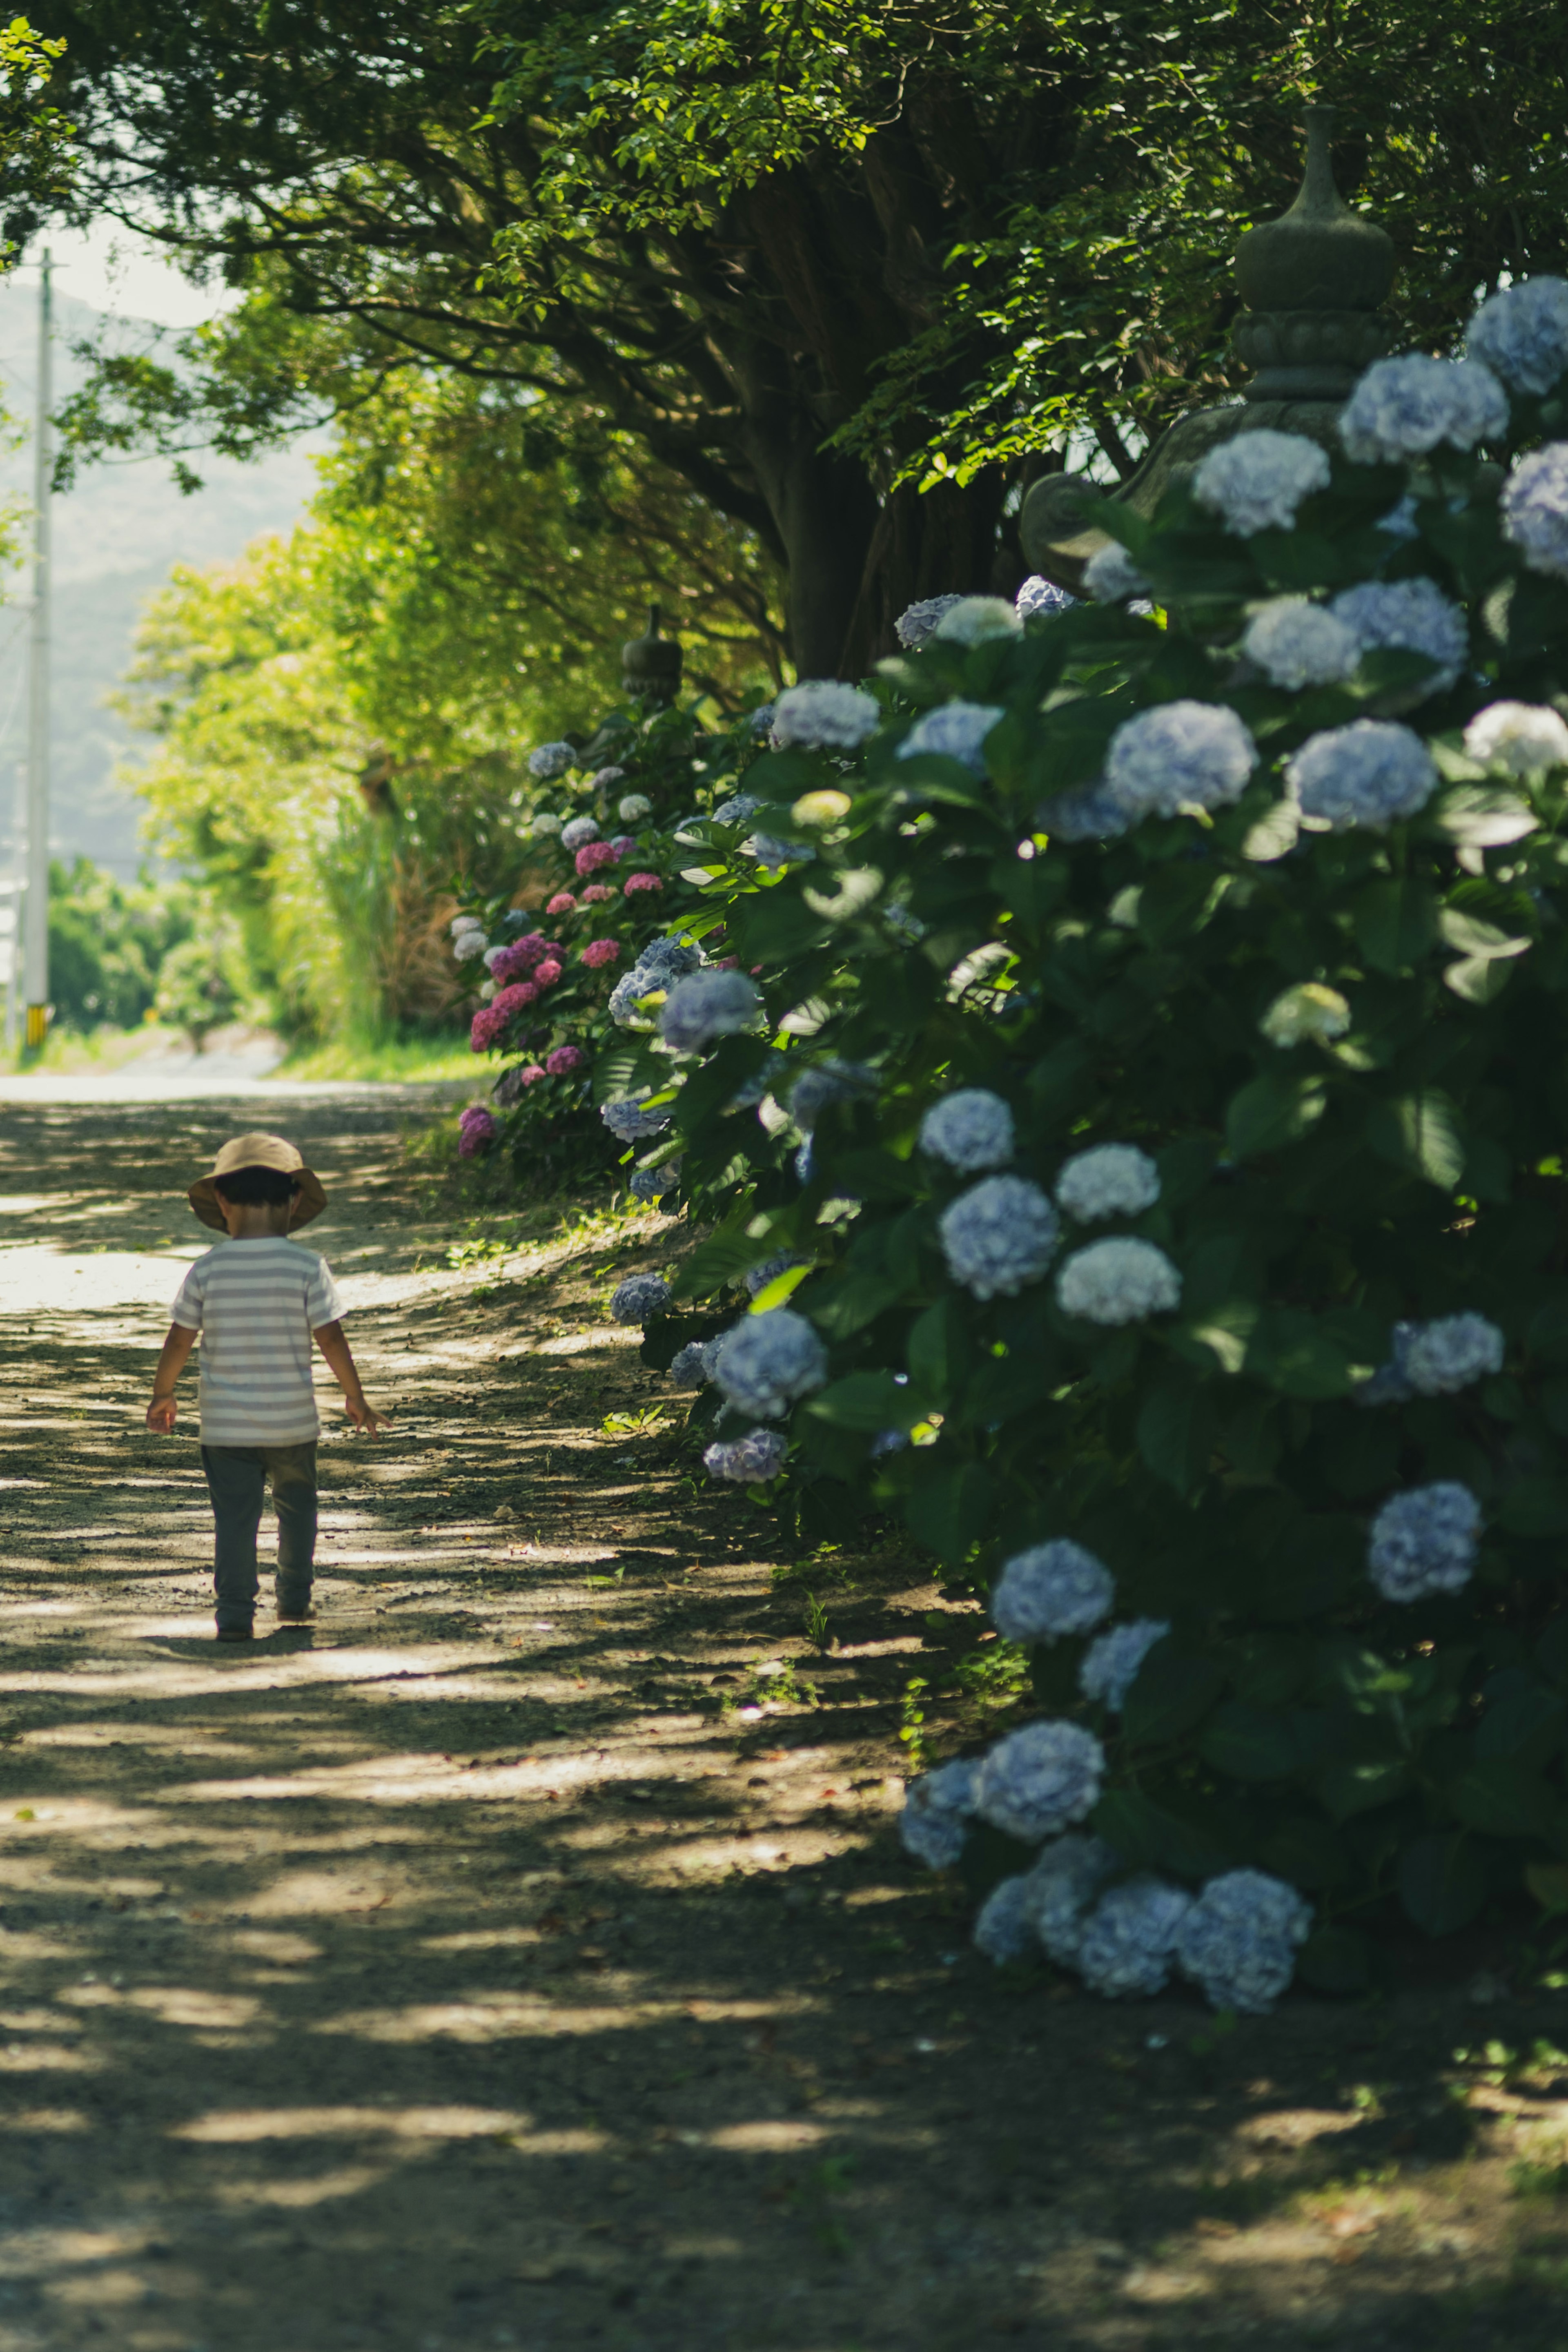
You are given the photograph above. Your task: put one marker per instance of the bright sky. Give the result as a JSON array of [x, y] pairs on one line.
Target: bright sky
[[115, 270]]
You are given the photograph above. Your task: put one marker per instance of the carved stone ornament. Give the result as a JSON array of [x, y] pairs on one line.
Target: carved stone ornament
[[651, 665]]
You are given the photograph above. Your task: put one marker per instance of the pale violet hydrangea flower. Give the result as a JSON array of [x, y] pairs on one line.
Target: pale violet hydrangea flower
[[768, 1360], [1307, 1011], [957, 730], [917, 621], [689, 1368], [1068, 1875], [1040, 1780], [823, 714], [1523, 739], [1111, 576], [634, 807], [748, 1461], [1129, 1938], [1424, 1541], [639, 1297], [1370, 774], [579, 833], [705, 1006], [629, 1122], [1004, 1929], [1037, 598], [740, 808], [935, 1808], [1404, 408], [1111, 1180], [969, 1130], [999, 1235], [1441, 1359], [1255, 481], [1522, 333], [1109, 1667], [550, 759], [1412, 615], [1535, 510], [1120, 1281], [1179, 753], [975, 619], [1295, 644], [1237, 1943], [1051, 1590]]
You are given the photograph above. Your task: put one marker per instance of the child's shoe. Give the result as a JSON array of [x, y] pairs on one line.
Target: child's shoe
[[237, 1633]]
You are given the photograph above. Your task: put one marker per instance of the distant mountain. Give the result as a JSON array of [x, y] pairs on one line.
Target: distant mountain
[[117, 535]]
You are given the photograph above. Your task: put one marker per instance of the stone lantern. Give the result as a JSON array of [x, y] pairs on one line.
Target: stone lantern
[[1314, 283], [651, 665]]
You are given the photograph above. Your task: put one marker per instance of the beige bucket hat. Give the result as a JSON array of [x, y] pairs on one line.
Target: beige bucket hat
[[258, 1152]]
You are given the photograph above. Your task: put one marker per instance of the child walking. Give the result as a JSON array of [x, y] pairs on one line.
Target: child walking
[[258, 1300]]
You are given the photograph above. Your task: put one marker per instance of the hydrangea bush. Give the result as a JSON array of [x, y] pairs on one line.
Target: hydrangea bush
[[1201, 1205]]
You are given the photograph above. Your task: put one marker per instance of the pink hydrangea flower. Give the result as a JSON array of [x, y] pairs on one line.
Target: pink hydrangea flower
[[641, 882], [520, 993], [522, 955], [601, 952], [596, 894], [623, 843], [535, 1070], [564, 1060], [546, 975], [726, 963], [476, 1131], [564, 903], [485, 1028], [593, 855]]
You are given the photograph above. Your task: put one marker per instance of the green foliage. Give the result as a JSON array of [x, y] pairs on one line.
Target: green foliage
[[107, 942], [196, 990]]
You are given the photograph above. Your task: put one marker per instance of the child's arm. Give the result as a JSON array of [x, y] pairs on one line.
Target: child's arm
[[340, 1362], [160, 1412]]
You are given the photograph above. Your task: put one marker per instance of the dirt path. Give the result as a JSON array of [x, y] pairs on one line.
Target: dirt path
[[519, 1958]]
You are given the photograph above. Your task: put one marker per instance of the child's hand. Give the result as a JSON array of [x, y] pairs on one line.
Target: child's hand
[[371, 1424], [161, 1416]]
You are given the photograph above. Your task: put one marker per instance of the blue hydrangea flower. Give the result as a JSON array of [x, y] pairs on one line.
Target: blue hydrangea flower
[[1109, 1667], [1051, 1590], [551, 759], [955, 729], [1003, 1928], [628, 1122], [1439, 1358], [773, 852], [1535, 510], [823, 714], [1111, 1180], [1424, 1541], [639, 1299], [1089, 812], [1111, 576], [998, 1236], [1414, 616], [1239, 1941], [1120, 1281], [1039, 598], [1370, 774], [1068, 1875], [1179, 753], [659, 965], [1523, 739], [652, 1183], [828, 1082], [1129, 1938], [579, 833], [689, 1369], [758, 1277], [748, 1461], [741, 808], [1255, 481], [968, 1131], [917, 621], [1040, 1781], [1295, 644], [1522, 333], [936, 1808], [975, 619], [1404, 408], [705, 1006], [771, 1359], [761, 722]]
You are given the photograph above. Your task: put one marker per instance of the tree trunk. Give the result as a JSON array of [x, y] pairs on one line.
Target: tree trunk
[[939, 542]]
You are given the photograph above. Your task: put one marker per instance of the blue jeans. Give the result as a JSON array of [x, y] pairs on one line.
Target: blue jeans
[[236, 1481]]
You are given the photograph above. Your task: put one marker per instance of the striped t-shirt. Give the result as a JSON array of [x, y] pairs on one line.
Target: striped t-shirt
[[255, 1304]]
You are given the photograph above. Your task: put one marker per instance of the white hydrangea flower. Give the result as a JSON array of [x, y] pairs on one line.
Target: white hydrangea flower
[[1111, 576], [579, 833], [1040, 1780], [634, 807], [603, 778], [768, 1360], [1416, 616], [1441, 1358], [1179, 753], [1068, 1875], [969, 1130], [936, 1808], [1120, 1281], [487, 989], [493, 956], [1239, 1941], [1051, 1590], [1535, 510], [1129, 1938], [999, 1235], [748, 1461], [705, 1006], [1004, 1929], [955, 729], [974, 620], [468, 945], [464, 923], [639, 1297], [551, 759], [917, 621], [1404, 408], [1522, 333], [547, 822], [823, 714], [1424, 1541], [1307, 1011], [1523, 739], [1255, 481], [1109, 1667], [1370, 774], [1111, 1180], [1038, 596], [1295, 644]]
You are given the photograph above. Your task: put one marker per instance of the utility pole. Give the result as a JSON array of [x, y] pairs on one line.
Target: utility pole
[[36, 940]]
